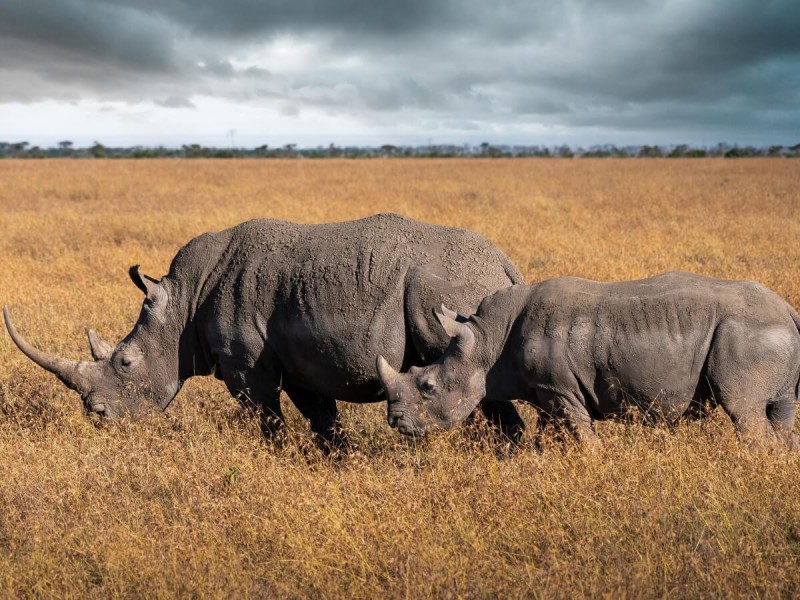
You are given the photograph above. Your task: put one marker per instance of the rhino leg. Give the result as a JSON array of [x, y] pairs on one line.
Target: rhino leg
[[323, 416], [751, 423], [752, 375], [781, 414], [767, 424], [549, 425], [272, 421], [260, 389], [566, 414], [503, 416]]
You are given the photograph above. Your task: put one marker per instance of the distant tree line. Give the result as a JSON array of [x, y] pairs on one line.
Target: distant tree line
[[67, 149]]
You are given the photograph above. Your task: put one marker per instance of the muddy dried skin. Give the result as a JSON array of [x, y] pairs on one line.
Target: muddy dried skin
[[581, 350], [270, 305]]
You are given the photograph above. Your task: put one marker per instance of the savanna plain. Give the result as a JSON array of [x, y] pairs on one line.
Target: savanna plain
[[193, 503]]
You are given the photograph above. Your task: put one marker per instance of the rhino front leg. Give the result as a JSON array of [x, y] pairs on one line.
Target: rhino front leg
[[503, 416], [565, 414], [261, 389], [323, 416]]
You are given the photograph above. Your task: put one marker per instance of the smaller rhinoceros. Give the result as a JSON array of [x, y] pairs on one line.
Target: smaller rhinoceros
[[581, 350]]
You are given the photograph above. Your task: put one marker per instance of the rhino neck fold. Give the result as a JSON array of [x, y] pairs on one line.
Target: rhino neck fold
[[196, 271], [497, 327], [194, 357], [187, 325], [182, 334]]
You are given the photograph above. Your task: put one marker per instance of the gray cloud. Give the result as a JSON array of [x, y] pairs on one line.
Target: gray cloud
[[73, 30], [175, 102], [673, 67]]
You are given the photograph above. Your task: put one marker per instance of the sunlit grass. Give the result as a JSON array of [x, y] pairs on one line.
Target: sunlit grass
[[194, 503]]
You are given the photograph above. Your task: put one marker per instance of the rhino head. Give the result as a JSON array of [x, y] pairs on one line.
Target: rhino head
[[441, 394], [141, 368]]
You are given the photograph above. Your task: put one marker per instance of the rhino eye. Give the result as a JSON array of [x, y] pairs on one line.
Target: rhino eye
[[124, 362], [427, 387]]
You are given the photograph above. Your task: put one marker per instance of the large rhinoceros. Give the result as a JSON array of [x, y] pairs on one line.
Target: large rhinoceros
[[270, 305], [581, 350]]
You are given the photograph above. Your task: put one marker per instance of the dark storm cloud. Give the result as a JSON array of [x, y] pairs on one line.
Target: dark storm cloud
[[239, 18], [672, 65], [75, 29]]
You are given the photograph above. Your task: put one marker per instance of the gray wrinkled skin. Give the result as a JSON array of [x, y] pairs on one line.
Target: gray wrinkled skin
[[581, 350], [270, 305]]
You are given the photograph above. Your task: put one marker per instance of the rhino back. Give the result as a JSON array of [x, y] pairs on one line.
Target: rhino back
[[646, 339]]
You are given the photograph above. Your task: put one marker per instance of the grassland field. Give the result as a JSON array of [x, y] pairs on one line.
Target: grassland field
[[192, 503]]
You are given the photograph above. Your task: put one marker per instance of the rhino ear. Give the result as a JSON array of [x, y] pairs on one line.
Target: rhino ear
[[101, 349], [448, 319], [465, 341], [460, 332], [143, 282], [451, 314]]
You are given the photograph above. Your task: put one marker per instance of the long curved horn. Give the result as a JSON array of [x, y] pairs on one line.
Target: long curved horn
[[70, 372]]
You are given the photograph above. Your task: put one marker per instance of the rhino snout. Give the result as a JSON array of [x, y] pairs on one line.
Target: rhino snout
[[397, 420]]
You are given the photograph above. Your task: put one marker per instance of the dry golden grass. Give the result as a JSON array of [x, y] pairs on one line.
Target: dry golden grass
[[192, 503]]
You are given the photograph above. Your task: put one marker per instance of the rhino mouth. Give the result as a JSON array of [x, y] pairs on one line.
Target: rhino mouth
[[398, 421], [408, 430], [101, 408], [395, 419], [98, 408]]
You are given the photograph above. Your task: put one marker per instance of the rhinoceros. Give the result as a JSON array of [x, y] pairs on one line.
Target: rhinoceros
[[578, 350], [270, 305]]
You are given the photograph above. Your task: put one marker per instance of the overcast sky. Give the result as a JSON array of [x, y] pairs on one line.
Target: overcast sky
[[359, 71]]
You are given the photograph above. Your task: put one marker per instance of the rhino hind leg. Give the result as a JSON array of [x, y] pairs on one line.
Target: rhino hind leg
[[751, 423], [323, 416], [752, 375], [761, 423], [781, 414]]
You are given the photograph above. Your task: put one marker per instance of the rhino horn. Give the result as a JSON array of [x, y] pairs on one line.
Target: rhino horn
[[72, 373], [101, 349], [386, 373]]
